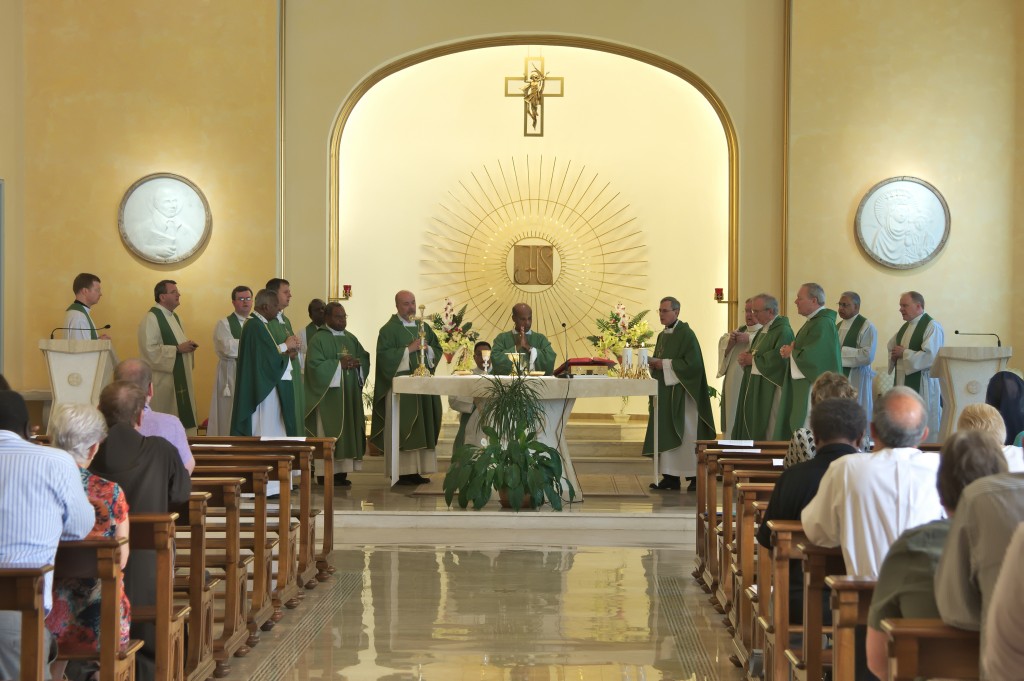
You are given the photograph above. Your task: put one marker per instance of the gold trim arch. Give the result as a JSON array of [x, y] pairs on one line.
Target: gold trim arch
[[531, 40]]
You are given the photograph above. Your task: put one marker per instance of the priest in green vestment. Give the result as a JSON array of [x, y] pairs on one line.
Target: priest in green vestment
[[684, 406], [226, 335], [78, 322], [170, 353], [398, 354], [912, 352], [535, 351], [316, 310], [281, 328], [730, 346], [763, 373], [814, 350], [336, 368], [262, 404]]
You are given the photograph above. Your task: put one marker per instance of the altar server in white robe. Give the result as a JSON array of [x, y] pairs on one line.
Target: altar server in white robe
[[912, 352], [78, 322], [858, 339], [730, 346], [225, 343]]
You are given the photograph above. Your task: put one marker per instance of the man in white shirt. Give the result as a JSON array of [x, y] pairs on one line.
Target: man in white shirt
[[170, 353], [225, 344], [78, 323], [858, 339], [866, 500], [912, 352]]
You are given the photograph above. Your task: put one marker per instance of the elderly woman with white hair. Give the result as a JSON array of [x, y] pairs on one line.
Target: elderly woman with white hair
[[74, 620]]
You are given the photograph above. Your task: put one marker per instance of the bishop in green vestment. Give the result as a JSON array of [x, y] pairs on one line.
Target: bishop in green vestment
[[814, 350], [336, 368], [398, 354], [763, 373], [535, 351], [684, 406], [260, 406], [281, 328]]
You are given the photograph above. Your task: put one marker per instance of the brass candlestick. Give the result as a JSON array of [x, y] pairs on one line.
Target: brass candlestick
[[422, 369]]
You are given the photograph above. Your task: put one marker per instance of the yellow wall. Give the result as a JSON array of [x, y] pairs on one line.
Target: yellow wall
[[1016, 225], [923, 88], [11, 87], [735, 46], [118, 90]]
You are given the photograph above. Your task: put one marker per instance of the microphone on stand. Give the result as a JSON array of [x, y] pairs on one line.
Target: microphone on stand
[[999, 342], [565, 349], [71, 328]]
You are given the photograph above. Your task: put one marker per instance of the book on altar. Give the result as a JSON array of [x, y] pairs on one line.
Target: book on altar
[[585, 366]]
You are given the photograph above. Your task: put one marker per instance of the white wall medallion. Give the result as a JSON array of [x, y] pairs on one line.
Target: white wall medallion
[[902, 222], [548, 233], [164, 218]]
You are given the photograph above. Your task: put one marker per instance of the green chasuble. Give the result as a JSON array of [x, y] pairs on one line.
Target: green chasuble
[[816, 351], [281, 330], [757, 393], [420, 421], [681, 349], [506, 343], [340, 408], [258, 370]]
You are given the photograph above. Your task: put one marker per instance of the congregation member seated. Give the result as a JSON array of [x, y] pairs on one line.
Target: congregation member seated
[[1002, 657], [987, 418], [986, 518], [1006, 393], [866, 500], [830, 385], [78, 429], [838, 426], [167, 426], [41, 503], [152, 476], [906, 582]]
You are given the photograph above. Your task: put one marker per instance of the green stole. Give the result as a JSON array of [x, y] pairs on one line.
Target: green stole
[[188, 419], [913, 381], [851, 338], [235, 326], [281, 330], [84, 310]]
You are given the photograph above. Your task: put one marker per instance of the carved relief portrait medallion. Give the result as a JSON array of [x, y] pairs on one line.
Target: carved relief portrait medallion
[[902, 222]]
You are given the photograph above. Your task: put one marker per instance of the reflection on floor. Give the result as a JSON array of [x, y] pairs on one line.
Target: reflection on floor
[[496, 606]]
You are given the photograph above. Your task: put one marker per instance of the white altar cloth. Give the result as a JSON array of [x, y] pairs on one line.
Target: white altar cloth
[[558, 396]]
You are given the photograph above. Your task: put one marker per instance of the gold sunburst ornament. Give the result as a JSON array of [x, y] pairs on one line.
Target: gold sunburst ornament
[[551, 234]]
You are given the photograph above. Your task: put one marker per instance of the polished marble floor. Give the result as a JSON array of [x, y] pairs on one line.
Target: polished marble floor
[[500, 605]]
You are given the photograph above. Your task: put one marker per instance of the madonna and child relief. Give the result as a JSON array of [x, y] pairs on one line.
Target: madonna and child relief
[[902, 222], [164, 219]]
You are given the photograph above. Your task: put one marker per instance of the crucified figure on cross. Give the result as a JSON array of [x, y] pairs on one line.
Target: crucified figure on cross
[[533, 94]]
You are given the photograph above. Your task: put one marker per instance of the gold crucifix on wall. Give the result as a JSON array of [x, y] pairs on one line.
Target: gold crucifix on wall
[[533, 87]]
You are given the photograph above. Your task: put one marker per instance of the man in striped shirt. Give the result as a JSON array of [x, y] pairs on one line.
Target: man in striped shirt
[[42, 502]]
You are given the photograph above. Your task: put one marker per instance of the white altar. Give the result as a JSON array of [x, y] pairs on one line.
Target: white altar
[[558, 396]]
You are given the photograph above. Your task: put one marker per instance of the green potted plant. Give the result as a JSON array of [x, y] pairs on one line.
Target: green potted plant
[[511, 460]]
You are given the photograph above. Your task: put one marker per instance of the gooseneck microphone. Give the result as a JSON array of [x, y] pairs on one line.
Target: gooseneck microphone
[[999, 342], [565, 350], [72, 328]]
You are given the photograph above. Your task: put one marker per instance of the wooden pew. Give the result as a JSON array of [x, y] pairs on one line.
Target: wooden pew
[[100, 559], [226, 461], [710, 516], [323, 450], [155, 532], [743, 574], [773, 613], [256, 539], [725, 531], [21, 589], [851, 599], [808, 663], [197, 589], [928, 648], [305, 572], [701, 448]]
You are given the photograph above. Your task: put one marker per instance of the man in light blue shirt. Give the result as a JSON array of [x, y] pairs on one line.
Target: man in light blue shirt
[[42, 502]]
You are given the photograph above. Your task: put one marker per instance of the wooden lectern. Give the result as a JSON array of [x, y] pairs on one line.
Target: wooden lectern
[[964, 374], [79, 369]]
